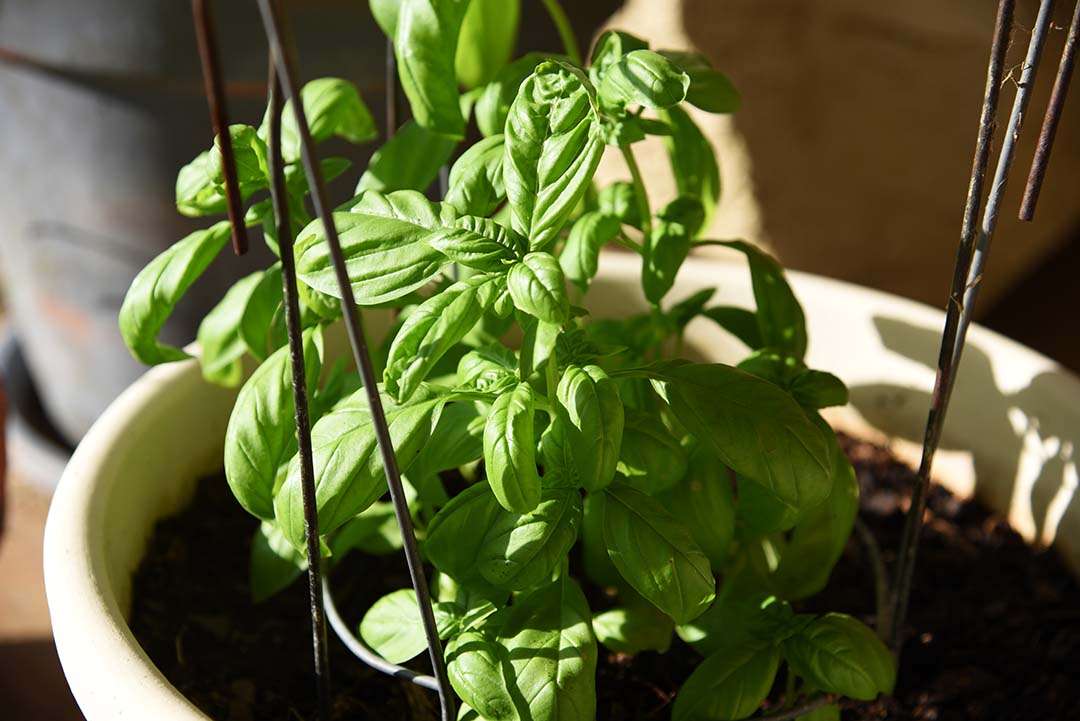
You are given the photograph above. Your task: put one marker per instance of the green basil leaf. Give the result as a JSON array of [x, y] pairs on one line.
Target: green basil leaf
[[740, 616], [818, 389], [729, 685], [703, 501], [261, 435], [221, 347], [478, 243], [668, 244], [493, 105], [761, 511], [740, 322], [839, 654], [425, 44], [611, 46], [274, 564], [710, 89], [520, 552], [249, 152], [754, 427], [651, 458], [333, 108], [831, 712], [691, 307], [457, 439], [591, 419], [487, 368], [779, 315], [633, 628], [348, 467], [621, 129], [262, 325], [598, 566], [552, 150], [692, 158], [656, 554], [510, 450], [476, 180], [432, 329], [386, 13], [159, 287], [384, 240], [394, 628], [196, 194], [642, 77], [374, 531], [488, 36], [455, 535], [620, 200], [538, 288], [580, 259], [409, 160]]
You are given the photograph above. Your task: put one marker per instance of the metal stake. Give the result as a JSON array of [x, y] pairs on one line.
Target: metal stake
[[281, 48], [1050, 121], [279, 197], [971, 261], [215, 98]]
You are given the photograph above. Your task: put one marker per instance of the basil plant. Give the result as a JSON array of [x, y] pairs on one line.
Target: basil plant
[[702, 500]]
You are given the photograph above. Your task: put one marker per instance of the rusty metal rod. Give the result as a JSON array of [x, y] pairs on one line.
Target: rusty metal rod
[[215, 98], [971, 262], [284, 58], [1050, 121], [279, 198]]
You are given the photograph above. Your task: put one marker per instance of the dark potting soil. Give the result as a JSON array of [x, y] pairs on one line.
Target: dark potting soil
[[994, 626]]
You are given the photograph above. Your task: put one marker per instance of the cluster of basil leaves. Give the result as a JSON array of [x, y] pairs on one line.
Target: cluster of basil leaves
[[665, 474]]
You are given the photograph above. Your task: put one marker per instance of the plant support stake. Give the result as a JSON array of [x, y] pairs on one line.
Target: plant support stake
[[970, 264], [279, 198], [281, 48], [1051, 120], [215, 98]]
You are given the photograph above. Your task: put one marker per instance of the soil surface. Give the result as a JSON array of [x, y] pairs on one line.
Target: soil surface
[[994, 626]]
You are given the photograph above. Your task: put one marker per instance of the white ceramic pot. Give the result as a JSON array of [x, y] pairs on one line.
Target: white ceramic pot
[[1015, 412]]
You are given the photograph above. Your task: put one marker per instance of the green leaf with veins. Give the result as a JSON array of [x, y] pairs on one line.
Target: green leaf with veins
[[619, 200], [425, 43], [262, 325], [493, 105], [433, 329], [159, 287], [479, 243], [642, 77], [394, 628], [740, 322], [728, 685], [510, 450], [261, 435], [333, 108], [409, 160], [580, 258], [656, 554], [476, 179], [633, 627], [488, 36], [488, 368], [552, 150], [693, 160], [668, 244], [703, 501], [587, 429], [839, 654], [610, 47], [538, 288], [220, 345], [457, 439], [651, 458], [710, 89]]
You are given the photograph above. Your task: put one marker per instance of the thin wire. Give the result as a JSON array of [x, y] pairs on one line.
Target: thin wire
[[279, 198], [364, 653], [1050, 121], [970, 270], [215, 98], [281, 47]]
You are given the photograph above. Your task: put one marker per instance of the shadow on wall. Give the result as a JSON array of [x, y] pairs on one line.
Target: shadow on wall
[[1031, 435]]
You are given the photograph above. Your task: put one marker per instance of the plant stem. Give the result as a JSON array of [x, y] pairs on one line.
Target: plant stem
[[566, 32], [790, 714], [882, 595], [639, 190]]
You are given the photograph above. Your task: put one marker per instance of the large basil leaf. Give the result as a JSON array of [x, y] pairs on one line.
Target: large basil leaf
[[740, 322], [598, 566], [333, 108], [710, 89], [651, 458], [521, 552], [741, 615], [432, 329], [487, 39], [274, 563], [510, 450], [610, 47], [643, 77], [261, 435], [634, 627], [656, 554], [703, 501], [159, 287], [457, 439], [538, 288], [668, 244], [409, 160], [761, 511], [479, 243], [455, 536], [537, 664], [348, 467], [493, 105], [384, 241], [754, 427], [728, 685], [425, 43], [488, 368], [589, 427], [620, 200], [779, 315], [394, 628], [262, 325], [220, 344], [839, 654], [580, 259], [693, 161], [552, 150], [476, 180]]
